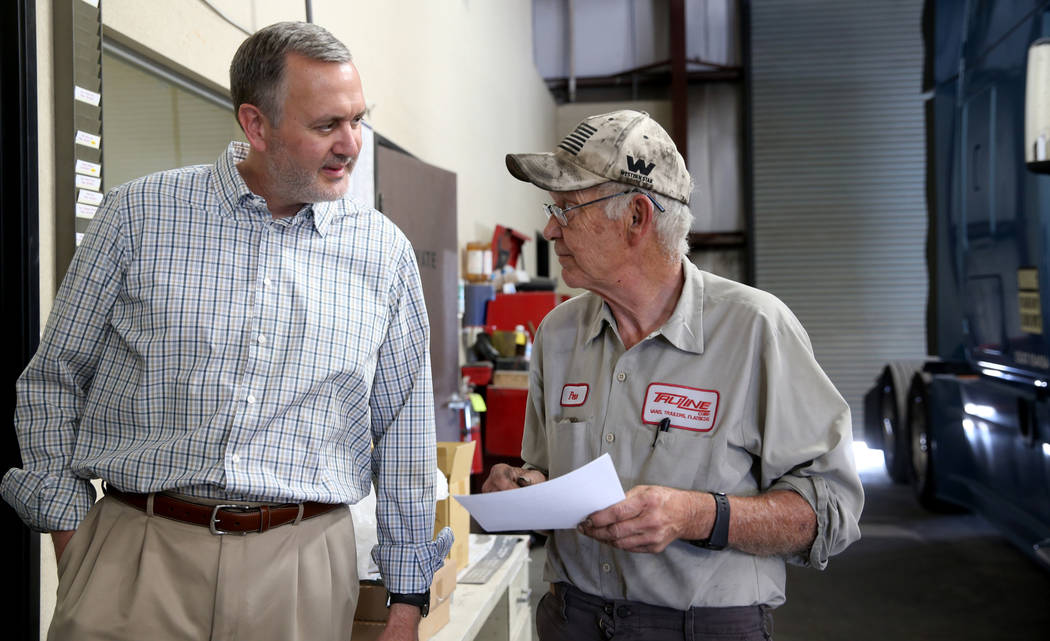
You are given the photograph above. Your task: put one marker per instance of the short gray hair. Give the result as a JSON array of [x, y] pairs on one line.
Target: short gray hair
[[672, 224], [257, 70]]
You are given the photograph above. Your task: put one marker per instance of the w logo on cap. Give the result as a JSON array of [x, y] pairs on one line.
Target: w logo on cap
[[639, 166]]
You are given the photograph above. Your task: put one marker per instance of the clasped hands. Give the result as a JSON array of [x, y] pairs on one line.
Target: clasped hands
[[648, 519]]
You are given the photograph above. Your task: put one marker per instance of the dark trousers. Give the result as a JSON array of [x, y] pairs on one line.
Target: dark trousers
[[566, 614]]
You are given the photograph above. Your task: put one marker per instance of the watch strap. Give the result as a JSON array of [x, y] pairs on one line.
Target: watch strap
[[421, 600], [719, 537]]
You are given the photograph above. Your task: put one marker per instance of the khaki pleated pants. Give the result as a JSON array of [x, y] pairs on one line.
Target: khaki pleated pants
[[127, 576]]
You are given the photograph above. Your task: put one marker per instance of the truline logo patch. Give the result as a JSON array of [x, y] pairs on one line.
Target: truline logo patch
[[689, 408], [574, 395]]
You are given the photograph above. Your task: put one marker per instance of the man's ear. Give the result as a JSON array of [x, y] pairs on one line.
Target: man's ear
[[640, 218], [255, 124]]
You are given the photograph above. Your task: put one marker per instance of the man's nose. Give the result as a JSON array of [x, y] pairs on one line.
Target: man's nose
[[552, 229], [349, 142]]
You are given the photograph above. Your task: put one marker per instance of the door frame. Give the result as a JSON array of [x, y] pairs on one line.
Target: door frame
[[19, 290]]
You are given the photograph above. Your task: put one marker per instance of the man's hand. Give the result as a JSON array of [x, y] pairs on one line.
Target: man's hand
[[505, 477], [61, 540], [403, 623], [650, 518]]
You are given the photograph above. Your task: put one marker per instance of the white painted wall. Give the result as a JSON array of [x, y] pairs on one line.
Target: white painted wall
[[450, 81]]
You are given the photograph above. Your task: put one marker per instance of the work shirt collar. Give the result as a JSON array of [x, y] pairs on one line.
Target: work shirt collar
[[238, 199], [685, 327]]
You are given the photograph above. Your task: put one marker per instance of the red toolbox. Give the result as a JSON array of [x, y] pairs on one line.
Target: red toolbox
[[506, 311], [504, 420]]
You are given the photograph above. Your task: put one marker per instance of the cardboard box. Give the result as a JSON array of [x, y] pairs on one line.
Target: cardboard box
[[372, 613], [514, 379], [454, 459], [444, 583]]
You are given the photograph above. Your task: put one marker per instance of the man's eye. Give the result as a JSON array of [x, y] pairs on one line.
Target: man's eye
[[328, 126]]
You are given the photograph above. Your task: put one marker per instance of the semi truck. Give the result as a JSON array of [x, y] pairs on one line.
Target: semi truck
[[969, 425]]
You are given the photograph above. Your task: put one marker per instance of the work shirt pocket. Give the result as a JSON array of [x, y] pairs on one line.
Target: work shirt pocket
[[677, 460], [570, 445]]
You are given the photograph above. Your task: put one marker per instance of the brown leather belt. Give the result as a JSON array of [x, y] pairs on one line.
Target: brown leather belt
[[226, 518]]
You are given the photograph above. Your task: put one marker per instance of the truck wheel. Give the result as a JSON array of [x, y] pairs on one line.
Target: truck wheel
[[894, 440], [921, 435]]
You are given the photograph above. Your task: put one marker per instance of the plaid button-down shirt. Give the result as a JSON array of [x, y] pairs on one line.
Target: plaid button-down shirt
[[201, 346]]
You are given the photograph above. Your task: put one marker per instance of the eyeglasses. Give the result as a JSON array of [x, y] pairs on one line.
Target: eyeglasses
[[563, 220]]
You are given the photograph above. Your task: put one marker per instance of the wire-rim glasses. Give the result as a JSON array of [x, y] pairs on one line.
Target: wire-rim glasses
[[559, 213]]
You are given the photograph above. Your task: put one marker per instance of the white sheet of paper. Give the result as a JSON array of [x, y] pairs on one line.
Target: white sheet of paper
[[557, 504]]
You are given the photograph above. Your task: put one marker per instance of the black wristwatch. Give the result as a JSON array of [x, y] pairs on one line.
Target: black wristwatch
[[719, 536], [421, 600]]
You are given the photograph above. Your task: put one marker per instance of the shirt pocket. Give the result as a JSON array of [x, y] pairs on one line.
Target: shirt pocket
[[679, 459], [569, 444]]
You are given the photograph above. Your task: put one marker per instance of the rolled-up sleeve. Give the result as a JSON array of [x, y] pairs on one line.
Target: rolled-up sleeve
[[807, 443], [52, 391], [404, 459]]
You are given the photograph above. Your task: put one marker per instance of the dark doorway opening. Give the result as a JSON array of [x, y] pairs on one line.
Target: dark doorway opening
[[19, 292]]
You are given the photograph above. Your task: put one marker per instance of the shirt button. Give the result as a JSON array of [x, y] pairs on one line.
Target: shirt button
[[236, 458], [251, 399], [268, 283], [262, 339], [609, 438], [606, 568], [621, 377]]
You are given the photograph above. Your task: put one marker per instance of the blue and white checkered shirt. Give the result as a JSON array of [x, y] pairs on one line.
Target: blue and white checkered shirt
[[199, 345]]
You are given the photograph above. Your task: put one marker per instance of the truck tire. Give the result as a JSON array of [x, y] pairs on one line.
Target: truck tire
[[892, 388], [921, 437]]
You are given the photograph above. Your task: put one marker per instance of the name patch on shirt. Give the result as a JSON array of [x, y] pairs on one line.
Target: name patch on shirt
[[689, 408], [574, 395]]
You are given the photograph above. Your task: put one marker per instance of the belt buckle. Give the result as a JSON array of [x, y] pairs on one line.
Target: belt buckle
[[215, 512]]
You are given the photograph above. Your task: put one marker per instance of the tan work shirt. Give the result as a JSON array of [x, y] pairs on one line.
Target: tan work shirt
[[750, 410]]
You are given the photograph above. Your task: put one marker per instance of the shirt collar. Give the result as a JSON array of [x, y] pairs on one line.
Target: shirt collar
[[238, 199], [685, 327]]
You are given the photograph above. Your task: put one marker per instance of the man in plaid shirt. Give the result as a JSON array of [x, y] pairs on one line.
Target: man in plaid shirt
[[237, 348]]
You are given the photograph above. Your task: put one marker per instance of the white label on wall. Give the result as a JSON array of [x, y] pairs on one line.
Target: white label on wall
[[93, 3], [89, 182], [86, 211], [90, 197], [86, 95], [88, 140], [88, 168]]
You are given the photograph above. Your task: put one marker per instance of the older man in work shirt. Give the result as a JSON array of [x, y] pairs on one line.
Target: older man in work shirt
[[731, 443], [230, 342]]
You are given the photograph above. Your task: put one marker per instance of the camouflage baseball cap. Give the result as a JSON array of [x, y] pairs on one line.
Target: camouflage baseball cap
[[625, 146]]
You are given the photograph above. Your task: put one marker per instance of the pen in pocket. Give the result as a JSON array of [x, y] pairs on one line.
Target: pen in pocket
[[665, 424]]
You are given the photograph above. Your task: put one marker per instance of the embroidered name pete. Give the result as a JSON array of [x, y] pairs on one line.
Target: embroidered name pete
[[574, 394], [689, 408]]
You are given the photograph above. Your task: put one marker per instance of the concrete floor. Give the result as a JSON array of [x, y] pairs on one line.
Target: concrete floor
[[913, 575]]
